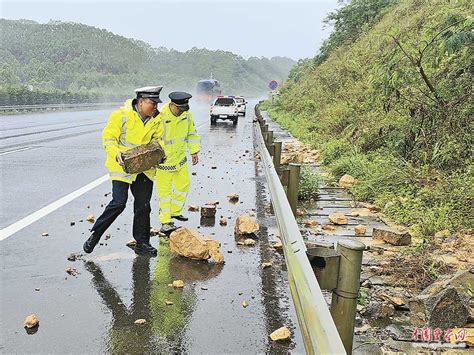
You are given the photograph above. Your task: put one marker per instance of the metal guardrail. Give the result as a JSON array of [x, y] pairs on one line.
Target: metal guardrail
[[319, 332], [17, 108]]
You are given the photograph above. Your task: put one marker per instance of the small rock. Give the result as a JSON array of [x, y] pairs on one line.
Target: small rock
[[192, 208], [328, 228], [72, 223], [282, 333], [245, 224], [131, 243], [338, 218], [267, 264], [44, 234], [311, 223], [154, 232], [37, 289], [360, 229], [249, 242], [213, 167], [204, 288], [208, 211], [355, 214], [392, 236], [72, 271], [74, 257], [299, 213], [31, 321], [140, 321], [278, 245], [168, 303], [194, 173], [233, 197], [108, 236], [178, 284], [90, 218], [245, 304], [347, 181], [223, 221]]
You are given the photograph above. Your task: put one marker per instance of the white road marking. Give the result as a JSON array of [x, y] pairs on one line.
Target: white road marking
[[16, 150], [24, 222]]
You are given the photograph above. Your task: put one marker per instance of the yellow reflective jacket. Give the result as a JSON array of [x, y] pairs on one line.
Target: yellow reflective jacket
[[125, 130], [179, 135]]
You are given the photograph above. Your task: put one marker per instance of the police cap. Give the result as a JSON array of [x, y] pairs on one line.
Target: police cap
[[150, 92], [180, 98]]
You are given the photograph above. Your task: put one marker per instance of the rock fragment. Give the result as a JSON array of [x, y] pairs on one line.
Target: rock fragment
[[190, 244], [31, 321], [249, 242], [72, 271], [360, 229], [338, 218], [90, 218], [233, 197], [223, 221], [208, 211], [392, 236], [140, 321], [267, 264], [347, 181], [282, 333], [178, 284], [44, 234], [310, 223], [193, 208], [245, 304], [245, 224]]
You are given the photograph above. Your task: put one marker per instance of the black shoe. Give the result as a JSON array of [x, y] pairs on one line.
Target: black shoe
[[145, 249], [90, 243], [168, 228], [180, 218]]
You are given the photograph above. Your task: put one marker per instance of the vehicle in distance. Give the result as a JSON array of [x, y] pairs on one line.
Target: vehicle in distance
[[207, 90], [241, 105], [224, 108]]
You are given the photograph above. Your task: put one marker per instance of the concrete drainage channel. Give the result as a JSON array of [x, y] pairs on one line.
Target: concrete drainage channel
[[324, 331]]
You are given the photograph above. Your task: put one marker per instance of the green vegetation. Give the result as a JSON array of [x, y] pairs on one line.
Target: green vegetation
[[389, 100], [71, 62], [309, 183]]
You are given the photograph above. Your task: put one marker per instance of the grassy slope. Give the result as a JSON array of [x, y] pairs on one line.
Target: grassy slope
[[367, 109]]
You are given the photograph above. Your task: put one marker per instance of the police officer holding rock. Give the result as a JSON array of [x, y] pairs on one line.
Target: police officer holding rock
[[132, 125], [172, 177]]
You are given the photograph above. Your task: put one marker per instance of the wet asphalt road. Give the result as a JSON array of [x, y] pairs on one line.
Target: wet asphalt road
[[45, 156]]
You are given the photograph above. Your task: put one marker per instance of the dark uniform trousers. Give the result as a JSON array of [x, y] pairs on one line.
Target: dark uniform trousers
[[142, 189]]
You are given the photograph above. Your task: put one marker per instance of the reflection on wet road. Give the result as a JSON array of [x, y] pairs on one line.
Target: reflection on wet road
[[95, 311]]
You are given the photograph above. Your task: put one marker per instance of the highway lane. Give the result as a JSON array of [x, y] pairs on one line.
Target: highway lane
[[94, 311]]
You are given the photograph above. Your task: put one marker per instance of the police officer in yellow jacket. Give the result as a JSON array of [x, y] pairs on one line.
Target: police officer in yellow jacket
[[135, 123], [172, 177]]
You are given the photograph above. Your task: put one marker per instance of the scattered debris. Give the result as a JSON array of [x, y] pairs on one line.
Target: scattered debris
[[72, 271], [249, 242], [190, 244], [131, 243], [31, 321], [178, 284], [246, 225], [193, 208], [223, 221], [233, 197], [245, 304], [338, 218], [282, 333], [140, 321], [360, 229], [310, 223], [267, 264], [108, 236], [90, 218], [392, 236], [75, 256], [347, 181], [208, 211]]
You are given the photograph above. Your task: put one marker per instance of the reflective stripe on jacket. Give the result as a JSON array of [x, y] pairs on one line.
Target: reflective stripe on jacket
[[179, 135], [125, 130]]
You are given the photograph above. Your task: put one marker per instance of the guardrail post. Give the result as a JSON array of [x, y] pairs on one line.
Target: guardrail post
[[293, 183], [277, 155], [344, 297], [269, 140]]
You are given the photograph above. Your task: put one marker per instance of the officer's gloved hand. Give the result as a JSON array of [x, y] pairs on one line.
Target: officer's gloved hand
[[120, 160]]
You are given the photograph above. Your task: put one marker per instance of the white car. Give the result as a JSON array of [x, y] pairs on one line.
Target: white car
[[224, 108], [241, 105]]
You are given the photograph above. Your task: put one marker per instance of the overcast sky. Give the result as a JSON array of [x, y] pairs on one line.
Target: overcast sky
[[265, 28]]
